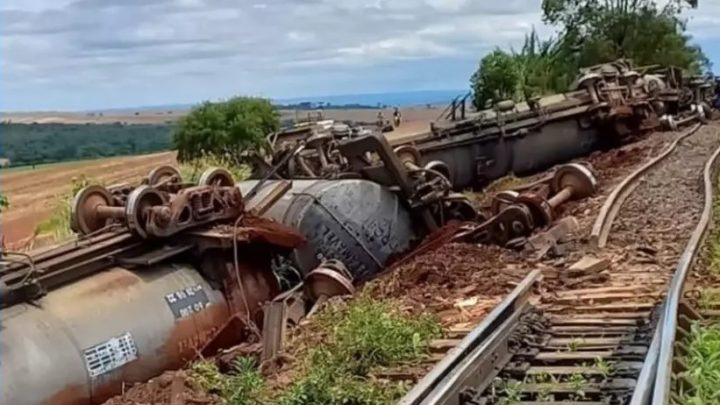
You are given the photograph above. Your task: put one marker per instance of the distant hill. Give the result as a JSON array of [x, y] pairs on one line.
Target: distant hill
[[399, 99], [391, 99]]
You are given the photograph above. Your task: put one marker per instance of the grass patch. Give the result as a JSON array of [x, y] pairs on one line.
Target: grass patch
[[243, 386], [703, 360], [58, 224], [366, 334], [358, 337], [713, 239], [708, 299], [192, 170]]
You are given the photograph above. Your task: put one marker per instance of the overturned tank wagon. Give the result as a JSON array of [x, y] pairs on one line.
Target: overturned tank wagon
[[607, 105], [357, 222], [610, 103], [167, 270]]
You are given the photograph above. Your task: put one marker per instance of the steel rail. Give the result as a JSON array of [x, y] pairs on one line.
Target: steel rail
[[611, 207], [450, 374], [668, 327]]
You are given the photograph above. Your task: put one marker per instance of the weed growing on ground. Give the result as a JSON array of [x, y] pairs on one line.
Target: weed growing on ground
[[192, 170], [604, 367], [363, 335], [243, 386], [58, 224], [714, 239], [703, 360], [366, 334], [709, 298]]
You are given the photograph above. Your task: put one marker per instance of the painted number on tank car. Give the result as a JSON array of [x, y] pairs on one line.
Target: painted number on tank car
[[109, 355], [333, 247], [187, 301]]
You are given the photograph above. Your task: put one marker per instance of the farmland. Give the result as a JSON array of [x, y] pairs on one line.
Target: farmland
[[33, 194]]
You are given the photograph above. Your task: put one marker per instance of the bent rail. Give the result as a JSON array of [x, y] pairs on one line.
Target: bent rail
[[669, 322], [448, 376], [609, 210]]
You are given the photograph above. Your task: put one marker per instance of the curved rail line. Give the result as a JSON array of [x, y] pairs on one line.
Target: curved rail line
[[669, 324], [503, 345], [611, 207]]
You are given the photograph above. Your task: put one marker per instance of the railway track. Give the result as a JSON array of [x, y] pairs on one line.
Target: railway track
[[599, 344]]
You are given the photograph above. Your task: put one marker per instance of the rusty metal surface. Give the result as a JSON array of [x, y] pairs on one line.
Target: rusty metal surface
[[86, 339]]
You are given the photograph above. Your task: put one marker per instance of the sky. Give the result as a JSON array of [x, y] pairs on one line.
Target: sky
[[98, 54]]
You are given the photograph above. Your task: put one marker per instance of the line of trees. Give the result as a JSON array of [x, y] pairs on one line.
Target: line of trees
[[31, 144], [589, 32]]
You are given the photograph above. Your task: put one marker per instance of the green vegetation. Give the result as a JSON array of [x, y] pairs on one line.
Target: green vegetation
[[713, 240], [243, 386], [362, 336], [590, 32], [4, 203], [193, 169], [58, 224], [33, 144], [365, 335], [703, 360], [228, 128]]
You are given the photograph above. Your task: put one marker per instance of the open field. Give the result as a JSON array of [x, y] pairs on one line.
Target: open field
[[34, 193], [411, 114]]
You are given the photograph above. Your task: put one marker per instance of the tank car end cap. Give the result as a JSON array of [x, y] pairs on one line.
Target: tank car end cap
[[328, 283]]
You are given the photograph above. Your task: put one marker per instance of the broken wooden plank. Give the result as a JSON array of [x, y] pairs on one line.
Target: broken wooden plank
[[587, 265], [443, 345], [274, 325]]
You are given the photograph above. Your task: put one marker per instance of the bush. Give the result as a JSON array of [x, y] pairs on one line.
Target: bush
[[228, 128], [363, 335], [193, 169]]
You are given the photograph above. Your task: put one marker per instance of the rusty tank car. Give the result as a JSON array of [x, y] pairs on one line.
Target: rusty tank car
[[608, 104], [163, 271]]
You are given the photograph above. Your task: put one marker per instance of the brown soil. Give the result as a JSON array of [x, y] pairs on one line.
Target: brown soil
[[34, 193], [458, 282], [163, 389]]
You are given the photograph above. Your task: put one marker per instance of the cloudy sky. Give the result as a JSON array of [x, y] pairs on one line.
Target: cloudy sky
[[92, 54]]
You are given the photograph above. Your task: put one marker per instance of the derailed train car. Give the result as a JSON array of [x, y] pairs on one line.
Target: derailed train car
[[610, 103], [167, 270]]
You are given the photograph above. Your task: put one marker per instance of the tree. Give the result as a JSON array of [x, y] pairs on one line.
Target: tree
[[227, 128], [496, 79], [603, 30], [590, 32]]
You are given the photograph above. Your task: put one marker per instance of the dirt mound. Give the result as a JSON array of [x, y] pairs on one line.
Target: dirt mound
[[458, 282], [172, 387]]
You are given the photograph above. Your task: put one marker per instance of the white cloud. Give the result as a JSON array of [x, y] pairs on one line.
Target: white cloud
[[86, 53]]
